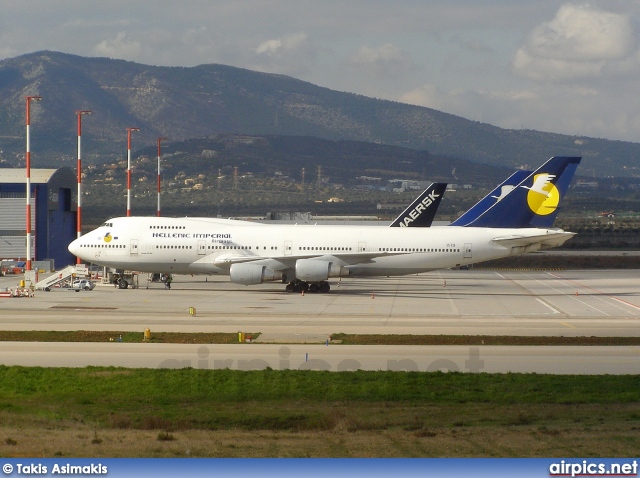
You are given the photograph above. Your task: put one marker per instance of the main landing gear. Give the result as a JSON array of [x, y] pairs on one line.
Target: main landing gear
[[300, 286]]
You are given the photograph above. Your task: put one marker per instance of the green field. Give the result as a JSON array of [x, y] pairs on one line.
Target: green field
[[158, 412]]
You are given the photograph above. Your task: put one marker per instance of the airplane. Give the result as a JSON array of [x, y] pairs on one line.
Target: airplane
[[422, 210], [305, 257]]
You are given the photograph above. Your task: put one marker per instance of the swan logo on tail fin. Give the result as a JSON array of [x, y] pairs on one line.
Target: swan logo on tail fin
[[504, 190], [543, 197]]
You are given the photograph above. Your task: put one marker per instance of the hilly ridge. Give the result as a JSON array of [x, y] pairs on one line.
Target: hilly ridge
[[184, 103], [341, 161]]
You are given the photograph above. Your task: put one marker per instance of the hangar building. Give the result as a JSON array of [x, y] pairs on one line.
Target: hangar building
[[53, 214]]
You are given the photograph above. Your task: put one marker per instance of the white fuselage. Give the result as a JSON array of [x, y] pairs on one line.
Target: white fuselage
[[211, 246]]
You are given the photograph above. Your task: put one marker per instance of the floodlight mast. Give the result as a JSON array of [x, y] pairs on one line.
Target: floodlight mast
[[129, 130], [29, 99], [80, 114], [160, 140]]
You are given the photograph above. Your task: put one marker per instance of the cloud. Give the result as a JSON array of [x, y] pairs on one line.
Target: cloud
[[428, 95], [119, 47], [591, 112], [292, 55], [580, 42], [473, 45], [6, 52], [281, 46], [387, 60]]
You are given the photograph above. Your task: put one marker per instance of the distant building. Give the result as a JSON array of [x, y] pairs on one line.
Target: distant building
[[408, 184], [581, 183], [53, 214]]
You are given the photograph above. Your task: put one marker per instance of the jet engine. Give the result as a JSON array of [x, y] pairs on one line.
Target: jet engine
[[313, 270], [249, 274]]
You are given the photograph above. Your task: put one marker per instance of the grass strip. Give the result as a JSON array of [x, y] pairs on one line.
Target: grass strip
[[112, 336], [101, 390], [339, 338], [373, 339]]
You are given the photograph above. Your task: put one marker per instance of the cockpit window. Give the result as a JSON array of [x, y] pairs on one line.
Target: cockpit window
[[107, 224]]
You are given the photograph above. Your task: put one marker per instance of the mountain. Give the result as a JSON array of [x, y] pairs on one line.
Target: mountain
[[205, 100]]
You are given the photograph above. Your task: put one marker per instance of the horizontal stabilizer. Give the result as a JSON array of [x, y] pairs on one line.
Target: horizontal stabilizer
[[551, 239]]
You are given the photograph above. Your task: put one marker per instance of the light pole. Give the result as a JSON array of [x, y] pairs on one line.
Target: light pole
[[80, 113], [28, 167], [160, 140], [129, 130]]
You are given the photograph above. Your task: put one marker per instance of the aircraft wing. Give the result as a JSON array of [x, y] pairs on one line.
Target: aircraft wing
[[343, 259], [207, 263]]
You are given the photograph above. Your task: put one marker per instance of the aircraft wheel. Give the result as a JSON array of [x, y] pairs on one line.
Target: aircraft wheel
[[313, 288], [325, 287], [290, 287], [122, 284]]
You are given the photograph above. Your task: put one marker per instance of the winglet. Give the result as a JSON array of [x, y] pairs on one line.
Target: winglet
[[535, 201], [423, 209]]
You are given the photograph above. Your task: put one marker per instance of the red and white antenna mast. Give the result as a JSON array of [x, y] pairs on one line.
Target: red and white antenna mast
[[28, 176], [80, 114], [160, 140], [129, 130]]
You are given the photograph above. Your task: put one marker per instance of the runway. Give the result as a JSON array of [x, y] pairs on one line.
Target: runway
[[557, 303]]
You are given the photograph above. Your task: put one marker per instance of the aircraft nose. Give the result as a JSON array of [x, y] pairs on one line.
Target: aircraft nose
[[74, 247]]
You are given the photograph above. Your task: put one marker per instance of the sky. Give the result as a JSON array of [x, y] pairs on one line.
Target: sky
[[554, 66]]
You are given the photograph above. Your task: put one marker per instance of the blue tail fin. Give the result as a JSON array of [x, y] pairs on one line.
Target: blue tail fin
[[490, 199], [423, 209], [535, 201]]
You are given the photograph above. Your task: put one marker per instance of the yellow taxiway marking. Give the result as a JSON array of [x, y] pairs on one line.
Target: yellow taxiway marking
[[568, 325]]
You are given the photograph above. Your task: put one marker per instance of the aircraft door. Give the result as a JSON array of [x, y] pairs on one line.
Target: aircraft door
[[467, 250], [201, 248], [133, 246], [362, 246], [287, 248]]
